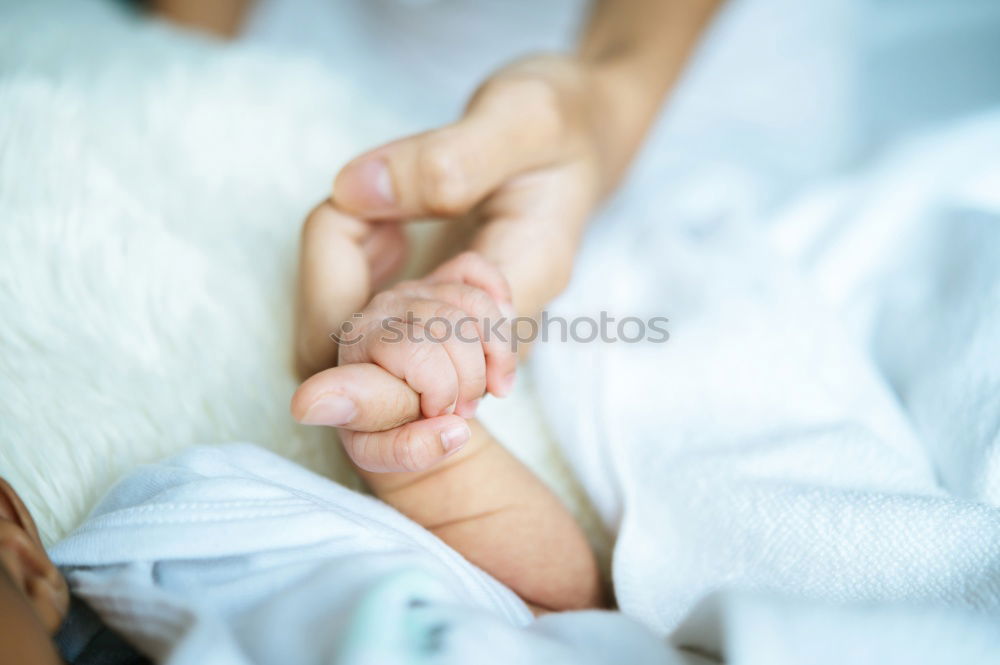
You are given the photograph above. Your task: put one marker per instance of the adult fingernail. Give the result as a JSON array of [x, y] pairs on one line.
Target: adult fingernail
[[331, 410], [467, 409], [367, 185], [455, 437], [508, 311]]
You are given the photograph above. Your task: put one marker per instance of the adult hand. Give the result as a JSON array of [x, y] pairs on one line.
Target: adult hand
[[541, 142], [432, 348], [524, 161]]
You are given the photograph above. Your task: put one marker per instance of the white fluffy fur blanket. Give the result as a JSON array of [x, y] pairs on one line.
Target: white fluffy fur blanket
[[151, 190]]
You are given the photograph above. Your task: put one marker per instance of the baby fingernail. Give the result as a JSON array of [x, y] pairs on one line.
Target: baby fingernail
[[332, 410], [455, 437], [467, 409]]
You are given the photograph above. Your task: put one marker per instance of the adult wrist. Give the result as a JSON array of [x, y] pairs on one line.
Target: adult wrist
[[621, 109]]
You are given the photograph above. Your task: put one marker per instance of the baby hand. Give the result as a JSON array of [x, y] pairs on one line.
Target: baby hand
[[431, 347], [443, 335]]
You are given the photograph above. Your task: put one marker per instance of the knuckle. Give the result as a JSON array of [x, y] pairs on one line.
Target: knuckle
[[443, 183], [540, 99], [312, 221], [399, 410], [410, 451], [476, 300], [324, 220], [390, 411], [356, 446], [443, 310], [400, 452], [468, 331], [421, 361], [317, 218], [437, 331], [482, 268]]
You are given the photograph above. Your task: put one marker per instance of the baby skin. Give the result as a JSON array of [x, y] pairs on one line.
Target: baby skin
[[412, 368]]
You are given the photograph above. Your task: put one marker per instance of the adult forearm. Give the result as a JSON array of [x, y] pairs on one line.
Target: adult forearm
[[636, 51]]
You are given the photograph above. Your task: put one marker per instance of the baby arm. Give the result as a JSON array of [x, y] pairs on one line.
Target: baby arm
[[494, 511], [402, 403], [479, 499]]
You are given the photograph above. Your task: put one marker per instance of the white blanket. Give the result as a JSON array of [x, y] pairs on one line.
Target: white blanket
[[822, 424], [232, 555]]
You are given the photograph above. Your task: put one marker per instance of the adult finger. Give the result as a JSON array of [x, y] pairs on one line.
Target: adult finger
[[513, 124], [362, 397], [326, 233], [413, 447]]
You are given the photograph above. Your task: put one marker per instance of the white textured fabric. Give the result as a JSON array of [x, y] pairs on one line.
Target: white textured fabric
[[818, 439], [822, 423], [761, 630], [232, 555], [860, 475]]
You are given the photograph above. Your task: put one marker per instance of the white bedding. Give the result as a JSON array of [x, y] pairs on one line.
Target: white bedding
[[822, 424], [230, 555], [810, 462]]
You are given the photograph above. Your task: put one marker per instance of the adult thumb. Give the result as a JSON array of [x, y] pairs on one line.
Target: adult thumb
[[445, 172]]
